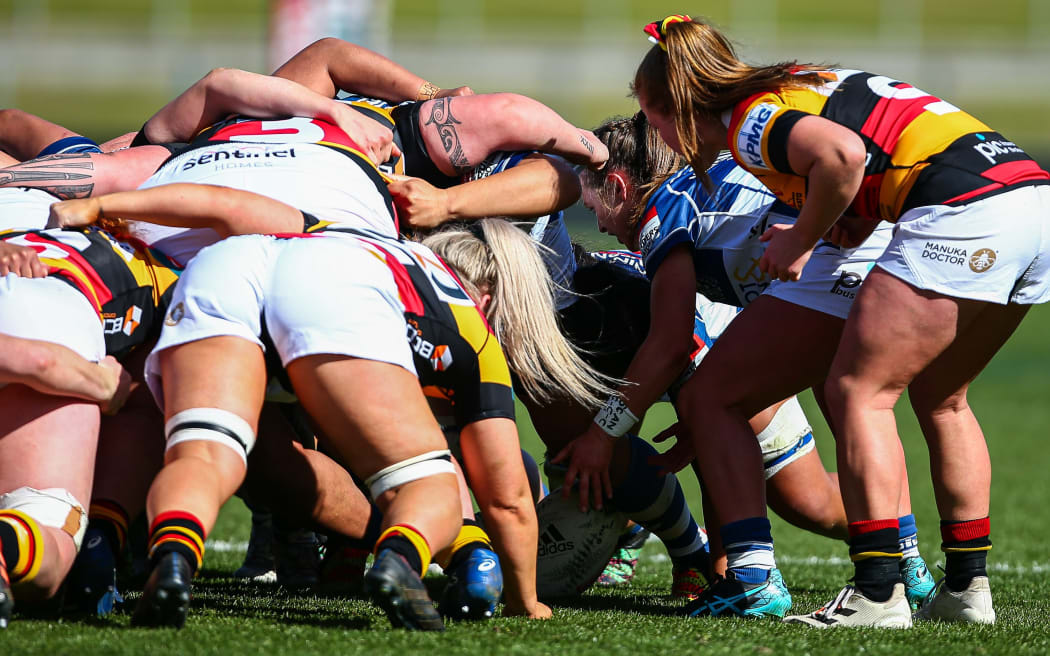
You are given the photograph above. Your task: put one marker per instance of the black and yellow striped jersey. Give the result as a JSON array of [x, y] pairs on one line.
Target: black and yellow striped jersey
[[921, 150], [127, 284]]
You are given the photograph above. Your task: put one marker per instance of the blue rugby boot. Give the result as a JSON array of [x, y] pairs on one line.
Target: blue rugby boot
[[92, 583], [918, 582], [729, 597], [474, 588]]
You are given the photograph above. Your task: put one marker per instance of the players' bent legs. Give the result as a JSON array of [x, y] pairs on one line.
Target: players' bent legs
[[48, 443], [940, 343]]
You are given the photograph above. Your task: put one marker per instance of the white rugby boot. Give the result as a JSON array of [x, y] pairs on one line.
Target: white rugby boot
[[972, 605], [851, 608]]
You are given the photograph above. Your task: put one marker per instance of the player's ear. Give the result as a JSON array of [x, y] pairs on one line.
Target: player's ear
[[621, 188]]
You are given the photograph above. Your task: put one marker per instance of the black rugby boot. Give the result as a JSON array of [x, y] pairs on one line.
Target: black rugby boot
[[397, 589], [165, 600]]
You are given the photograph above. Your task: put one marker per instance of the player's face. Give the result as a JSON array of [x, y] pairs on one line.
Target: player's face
[[664, 124], [612, 219]]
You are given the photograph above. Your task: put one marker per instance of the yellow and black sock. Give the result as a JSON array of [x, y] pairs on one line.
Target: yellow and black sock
[[965, 545], [110, 518], [876, 557], [180, 532], [22, 545], [471, 536], [409, 543]]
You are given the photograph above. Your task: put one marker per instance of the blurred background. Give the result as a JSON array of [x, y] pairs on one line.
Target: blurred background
[[102, 67]]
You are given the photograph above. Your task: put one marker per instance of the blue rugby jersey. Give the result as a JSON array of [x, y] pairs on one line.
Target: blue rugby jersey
[[723, 229]]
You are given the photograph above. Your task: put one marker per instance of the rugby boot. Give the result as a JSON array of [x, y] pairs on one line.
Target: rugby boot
[[343, 568], [298, 557], [7, 602], [973, 604], [687, 583], [165, 600], [729, 597], [851, 608], [918, 582], [396, 588], [474, 587], [621, 567], [92, 583], [259, 564]]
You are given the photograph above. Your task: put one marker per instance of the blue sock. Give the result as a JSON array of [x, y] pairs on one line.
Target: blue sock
[[749, 549], [908, 537], [657, 503]]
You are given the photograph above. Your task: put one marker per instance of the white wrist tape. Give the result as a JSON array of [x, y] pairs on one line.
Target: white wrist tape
[[615, 418]]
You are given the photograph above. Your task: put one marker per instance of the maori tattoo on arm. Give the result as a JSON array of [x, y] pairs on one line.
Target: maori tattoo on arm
[[55, 174], [441, 118]]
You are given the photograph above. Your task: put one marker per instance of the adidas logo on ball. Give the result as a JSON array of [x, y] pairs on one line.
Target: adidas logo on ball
[[552, 541]]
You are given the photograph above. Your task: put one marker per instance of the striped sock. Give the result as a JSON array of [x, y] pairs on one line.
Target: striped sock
[[657, 503], [471, 536], [21, 545], [749, 549], [908, 537], [111, 519], [876, 557], [406, 541], [965, 545], [180, 532]]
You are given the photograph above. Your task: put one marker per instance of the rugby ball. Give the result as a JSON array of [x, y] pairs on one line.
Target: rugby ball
[[574, 546]]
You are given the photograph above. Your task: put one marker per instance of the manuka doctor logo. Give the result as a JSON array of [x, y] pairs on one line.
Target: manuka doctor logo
[[946, 254], [552, 542]]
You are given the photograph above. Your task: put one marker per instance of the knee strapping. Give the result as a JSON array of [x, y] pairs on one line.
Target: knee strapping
[[54, 507], [211, 425], [432, 463]]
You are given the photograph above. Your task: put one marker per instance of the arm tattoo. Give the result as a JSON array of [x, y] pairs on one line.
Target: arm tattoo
[[47, 174], [441, 118], [587, 144]]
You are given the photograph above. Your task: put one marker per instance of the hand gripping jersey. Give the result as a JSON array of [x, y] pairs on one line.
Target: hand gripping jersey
[[921, 150], [722, 229], [129, 287]]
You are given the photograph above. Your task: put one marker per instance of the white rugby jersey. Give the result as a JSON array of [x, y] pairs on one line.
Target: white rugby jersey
[[24, 209]]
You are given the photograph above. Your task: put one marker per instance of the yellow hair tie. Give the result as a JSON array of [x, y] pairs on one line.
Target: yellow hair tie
[[657, 30]]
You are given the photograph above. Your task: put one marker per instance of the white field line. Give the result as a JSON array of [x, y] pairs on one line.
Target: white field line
[[1006, 568]]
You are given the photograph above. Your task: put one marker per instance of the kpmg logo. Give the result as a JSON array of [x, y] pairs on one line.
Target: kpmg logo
[[749, 139]]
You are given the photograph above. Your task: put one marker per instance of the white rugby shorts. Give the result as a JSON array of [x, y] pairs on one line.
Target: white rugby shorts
[[317, 294], [831, 278], [50, 310], [995, 250]]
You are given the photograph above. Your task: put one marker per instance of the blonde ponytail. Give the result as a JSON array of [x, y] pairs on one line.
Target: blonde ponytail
[[506, 264]]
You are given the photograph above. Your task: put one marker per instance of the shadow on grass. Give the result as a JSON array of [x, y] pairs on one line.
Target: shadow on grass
[[642, 604]]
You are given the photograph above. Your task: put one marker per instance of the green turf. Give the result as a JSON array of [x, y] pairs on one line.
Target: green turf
[[232, 618]]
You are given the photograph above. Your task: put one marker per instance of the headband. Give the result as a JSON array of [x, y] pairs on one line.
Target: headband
[[657, 30]]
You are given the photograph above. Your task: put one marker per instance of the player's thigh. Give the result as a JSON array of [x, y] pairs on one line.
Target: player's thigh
[[770, 351], [894, 331]]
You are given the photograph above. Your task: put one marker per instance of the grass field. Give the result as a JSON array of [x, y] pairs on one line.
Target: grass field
[[232, 618]]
